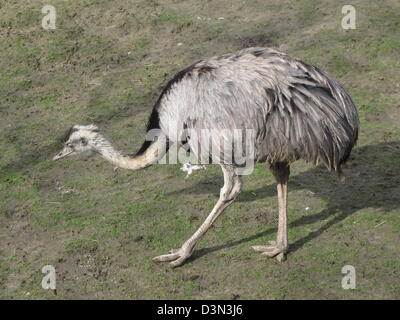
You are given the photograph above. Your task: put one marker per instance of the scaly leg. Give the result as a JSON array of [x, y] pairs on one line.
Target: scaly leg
[[229, 192], [279, 247]]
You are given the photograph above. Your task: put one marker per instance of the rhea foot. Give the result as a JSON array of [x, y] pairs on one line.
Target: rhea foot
[[273, 250], [179, 256]]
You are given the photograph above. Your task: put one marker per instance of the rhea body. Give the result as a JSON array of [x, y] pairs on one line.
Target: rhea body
[[295, 110]]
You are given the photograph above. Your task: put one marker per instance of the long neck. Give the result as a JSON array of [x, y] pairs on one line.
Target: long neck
[[120, 159]]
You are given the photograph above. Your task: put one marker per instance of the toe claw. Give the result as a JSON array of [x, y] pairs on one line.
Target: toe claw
[[166, 257], [177, 262], [264, 249], [272, 251], [178, 257], [259, 248], [281, 257]]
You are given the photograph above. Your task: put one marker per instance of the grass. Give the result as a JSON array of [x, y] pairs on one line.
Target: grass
[[106, 63]]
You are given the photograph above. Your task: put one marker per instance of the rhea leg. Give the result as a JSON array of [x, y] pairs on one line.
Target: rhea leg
[[229, 192], [279, 247]]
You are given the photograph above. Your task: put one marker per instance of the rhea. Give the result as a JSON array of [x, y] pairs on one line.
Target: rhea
[[295, 111]]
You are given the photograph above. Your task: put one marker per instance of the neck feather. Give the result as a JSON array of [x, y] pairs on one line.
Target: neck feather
[[120, 159]]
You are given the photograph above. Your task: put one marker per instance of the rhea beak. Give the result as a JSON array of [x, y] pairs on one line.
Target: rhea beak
[[64, 153]]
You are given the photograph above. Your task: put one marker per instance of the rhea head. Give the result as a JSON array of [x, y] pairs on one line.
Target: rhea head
[[80, 140]]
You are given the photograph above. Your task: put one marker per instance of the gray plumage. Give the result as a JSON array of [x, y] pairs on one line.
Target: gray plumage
[[296, 110]]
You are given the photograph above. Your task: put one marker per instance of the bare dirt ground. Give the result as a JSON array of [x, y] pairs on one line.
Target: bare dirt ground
[[106, 63]]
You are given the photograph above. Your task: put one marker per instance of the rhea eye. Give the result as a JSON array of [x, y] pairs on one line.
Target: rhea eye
[[83, 141]]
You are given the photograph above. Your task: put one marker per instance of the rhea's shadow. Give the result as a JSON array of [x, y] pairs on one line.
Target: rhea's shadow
[[372, 181]]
